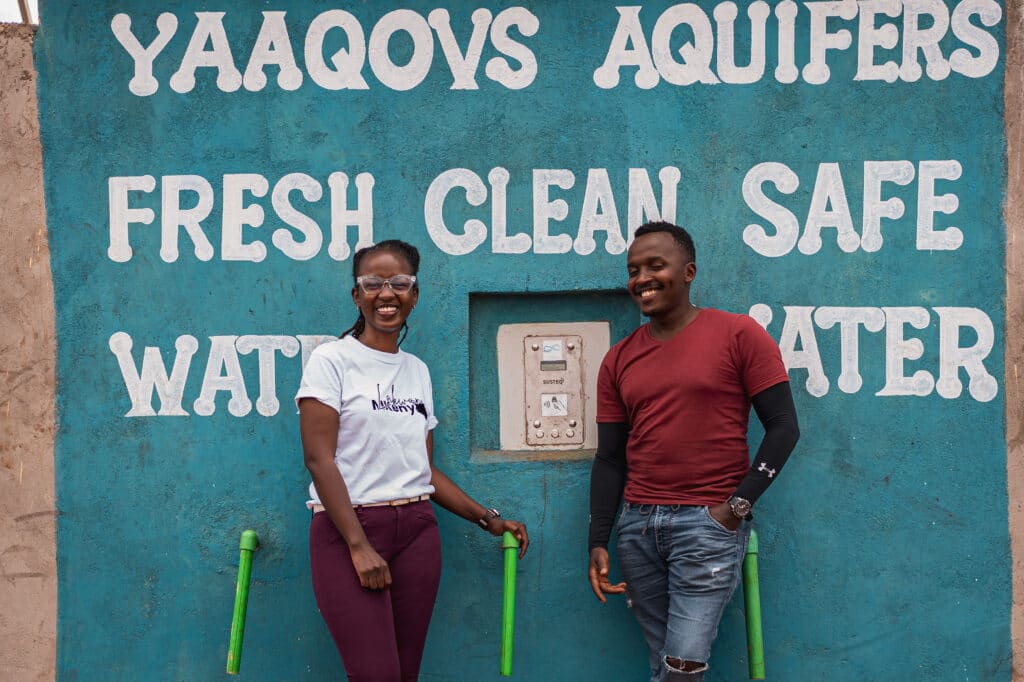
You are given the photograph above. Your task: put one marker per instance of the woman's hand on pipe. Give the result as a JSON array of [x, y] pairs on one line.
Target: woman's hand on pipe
[[497, 527]]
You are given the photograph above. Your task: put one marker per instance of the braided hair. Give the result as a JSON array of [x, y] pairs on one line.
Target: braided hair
[[404, 250]]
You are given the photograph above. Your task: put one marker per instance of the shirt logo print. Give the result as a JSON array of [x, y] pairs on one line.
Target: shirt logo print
[[386, 400]]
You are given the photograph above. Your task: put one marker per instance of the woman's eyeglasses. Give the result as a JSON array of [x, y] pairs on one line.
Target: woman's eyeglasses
[[372, 284]]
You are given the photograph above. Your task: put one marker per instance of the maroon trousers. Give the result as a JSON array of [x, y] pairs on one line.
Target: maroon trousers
[[380, 634]]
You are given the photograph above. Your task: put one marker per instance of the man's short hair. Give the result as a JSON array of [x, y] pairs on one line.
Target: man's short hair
[[682, 237]]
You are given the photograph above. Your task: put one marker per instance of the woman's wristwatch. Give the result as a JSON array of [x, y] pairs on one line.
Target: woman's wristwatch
[[485, 520]]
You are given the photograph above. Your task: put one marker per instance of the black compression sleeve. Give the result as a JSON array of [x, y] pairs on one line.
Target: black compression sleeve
[[607, 479], [774, 407]]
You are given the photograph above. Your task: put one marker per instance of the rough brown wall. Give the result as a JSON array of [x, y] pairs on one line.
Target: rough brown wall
[[28, 577], [1014, 211]]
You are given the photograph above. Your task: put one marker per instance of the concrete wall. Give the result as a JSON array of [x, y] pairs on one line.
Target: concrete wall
[[177, 464], [28, 576]]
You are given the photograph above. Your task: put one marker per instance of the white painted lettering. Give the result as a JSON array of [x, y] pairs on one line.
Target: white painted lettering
[[798, 329], [498, 68], [546, 209], [925, 40], [474, 231], [816, 71], [787, 229], [273, 46], [786, 70], [952, 356], [210, 28], [313, 238], [599, 214], [343, 217], [961, 60], [982, 387], [899, 349], [928, 204], [223, 357], [267, 403], [628, 48], [875, 208], [850, 320], [642, 204], [154, 375], [695, 66], [173, 216], [871, 36], [348, 62], [500, 241], [143, 83], [725, 17], [121, 215], [463, 67], [237, 215], [829, 207], [410, 75]]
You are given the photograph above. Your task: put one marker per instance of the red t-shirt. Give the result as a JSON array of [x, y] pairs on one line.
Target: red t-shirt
[[687, 403]]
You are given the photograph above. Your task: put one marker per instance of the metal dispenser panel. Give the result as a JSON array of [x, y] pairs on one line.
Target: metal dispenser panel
[[553, 390], [547, 380]]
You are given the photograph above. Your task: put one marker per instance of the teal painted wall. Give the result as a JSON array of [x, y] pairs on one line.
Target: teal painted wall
[[885, 548]]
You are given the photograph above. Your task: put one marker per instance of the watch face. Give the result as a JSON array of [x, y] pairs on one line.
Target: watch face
[[740, 507], [488, 516]]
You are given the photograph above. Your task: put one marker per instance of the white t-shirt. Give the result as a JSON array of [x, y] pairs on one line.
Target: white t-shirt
[[386, 409]]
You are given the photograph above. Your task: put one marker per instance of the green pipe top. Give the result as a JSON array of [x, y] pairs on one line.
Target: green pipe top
[[508, 541], [249, 540], [752, 544]]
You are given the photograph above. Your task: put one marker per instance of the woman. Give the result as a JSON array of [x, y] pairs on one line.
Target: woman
[[366, 418]]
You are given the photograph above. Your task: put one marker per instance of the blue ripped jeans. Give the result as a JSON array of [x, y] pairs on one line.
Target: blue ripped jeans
[[681, 567]]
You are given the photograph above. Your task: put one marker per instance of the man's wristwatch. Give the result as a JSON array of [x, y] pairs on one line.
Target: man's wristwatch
[[740, 507], [485, 520]]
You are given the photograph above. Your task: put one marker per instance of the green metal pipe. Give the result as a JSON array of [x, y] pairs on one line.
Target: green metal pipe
[[510, 548], [248, 544], [752, 604]]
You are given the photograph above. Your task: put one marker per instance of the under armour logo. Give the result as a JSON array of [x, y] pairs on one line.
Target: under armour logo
[[764, 467]]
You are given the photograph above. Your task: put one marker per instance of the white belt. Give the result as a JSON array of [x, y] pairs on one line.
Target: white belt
[[388, 503]]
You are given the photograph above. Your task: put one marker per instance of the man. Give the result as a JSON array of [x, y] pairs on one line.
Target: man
[[674, 399]]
